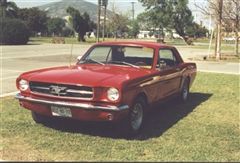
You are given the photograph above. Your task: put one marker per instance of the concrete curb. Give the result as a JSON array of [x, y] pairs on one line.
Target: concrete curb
[[219, 72], [8, 94]]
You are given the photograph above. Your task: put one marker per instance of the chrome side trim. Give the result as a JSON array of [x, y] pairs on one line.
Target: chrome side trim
[[71, 104]]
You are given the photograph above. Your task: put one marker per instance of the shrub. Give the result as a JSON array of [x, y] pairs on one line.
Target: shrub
[[13, 32], [67, 32], [58, 40]]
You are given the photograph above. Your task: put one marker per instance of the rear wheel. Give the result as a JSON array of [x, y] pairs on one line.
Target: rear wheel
[[185, 91], [38, 118]]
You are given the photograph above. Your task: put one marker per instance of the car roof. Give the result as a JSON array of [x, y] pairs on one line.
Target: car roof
[[136, 43]]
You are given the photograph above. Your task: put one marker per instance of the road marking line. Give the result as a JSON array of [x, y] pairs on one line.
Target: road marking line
[[8, 94]]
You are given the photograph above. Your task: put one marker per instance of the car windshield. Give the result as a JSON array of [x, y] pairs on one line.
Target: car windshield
[[120, 55]]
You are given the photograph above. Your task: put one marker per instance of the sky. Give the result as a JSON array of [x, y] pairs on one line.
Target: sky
[[123, 4]]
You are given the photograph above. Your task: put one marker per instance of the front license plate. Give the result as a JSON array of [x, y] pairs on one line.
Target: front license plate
[[61, 111]]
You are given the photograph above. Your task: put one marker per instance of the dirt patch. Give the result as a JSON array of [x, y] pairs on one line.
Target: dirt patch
[[224, 57]]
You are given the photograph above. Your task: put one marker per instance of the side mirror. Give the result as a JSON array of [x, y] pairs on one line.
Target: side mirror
[[79, 58]]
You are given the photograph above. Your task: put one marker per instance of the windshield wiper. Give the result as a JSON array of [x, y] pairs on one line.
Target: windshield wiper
[[125, 63], [92, 60]]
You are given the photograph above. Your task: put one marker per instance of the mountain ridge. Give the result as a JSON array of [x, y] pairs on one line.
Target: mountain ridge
[[58, 9]]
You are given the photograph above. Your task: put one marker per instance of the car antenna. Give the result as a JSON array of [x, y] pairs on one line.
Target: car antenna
[[70, 58]]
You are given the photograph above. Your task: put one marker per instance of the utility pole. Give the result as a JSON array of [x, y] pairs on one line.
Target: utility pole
[[3, 6], [104, 4], [133, 9], [98, 23], [219, 29]]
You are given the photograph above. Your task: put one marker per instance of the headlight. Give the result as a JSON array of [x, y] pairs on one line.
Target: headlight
[[113, 94], [23, 85]]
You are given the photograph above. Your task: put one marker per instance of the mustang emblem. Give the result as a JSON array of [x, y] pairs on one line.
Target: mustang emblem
[[56, 90]]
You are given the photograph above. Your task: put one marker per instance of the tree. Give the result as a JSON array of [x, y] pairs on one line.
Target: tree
[[35, 19], [169, 14], [196, 31], [13, 32], [67, 32], [117, 23], [181, 18], [8, 9], [81, 23], [231, 17], [143, 21], [215, 10], [134, 30], [157, 13], [55, 26]]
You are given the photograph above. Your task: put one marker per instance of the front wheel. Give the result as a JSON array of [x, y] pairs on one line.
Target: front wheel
[[132, 125]]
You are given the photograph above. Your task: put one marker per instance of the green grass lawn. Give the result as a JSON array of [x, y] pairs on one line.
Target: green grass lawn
[[68, 40], [175, 42], [206, 128]]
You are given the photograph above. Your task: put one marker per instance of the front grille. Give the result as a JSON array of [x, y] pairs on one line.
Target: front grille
[[62, 90]]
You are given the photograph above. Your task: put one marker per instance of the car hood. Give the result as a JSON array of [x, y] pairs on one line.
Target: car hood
[[87, 74]]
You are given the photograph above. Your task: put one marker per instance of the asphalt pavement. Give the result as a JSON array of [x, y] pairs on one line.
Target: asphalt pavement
[[18, 59]]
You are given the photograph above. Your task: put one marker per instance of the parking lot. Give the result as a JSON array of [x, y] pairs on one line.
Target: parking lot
[[18, 59]]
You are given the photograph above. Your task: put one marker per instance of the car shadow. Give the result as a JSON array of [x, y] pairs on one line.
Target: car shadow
[[161, 118]]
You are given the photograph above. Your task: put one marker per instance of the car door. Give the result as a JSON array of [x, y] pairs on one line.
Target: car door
[[169, 73]]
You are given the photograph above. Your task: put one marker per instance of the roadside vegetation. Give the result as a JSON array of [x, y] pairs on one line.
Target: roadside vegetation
[[206, 128], [162, 20], [13, 32], [227, 47]]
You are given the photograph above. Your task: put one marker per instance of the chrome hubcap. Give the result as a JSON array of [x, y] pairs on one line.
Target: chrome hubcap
[[185, 92], [137, 116]]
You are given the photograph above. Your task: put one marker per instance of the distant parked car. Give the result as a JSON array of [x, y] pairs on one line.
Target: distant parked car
[[112, 81], [177, 36], [230, 38]]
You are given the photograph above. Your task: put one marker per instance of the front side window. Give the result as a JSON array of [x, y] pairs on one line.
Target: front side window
[[99, 54], [120, 55]]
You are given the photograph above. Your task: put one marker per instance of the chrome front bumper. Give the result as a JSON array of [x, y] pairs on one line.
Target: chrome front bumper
[[71, 104]]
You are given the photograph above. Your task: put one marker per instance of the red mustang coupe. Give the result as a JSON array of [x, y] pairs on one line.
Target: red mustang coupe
[[112, 81]]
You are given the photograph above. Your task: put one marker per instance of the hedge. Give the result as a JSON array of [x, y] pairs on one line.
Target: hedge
[[13, 32]]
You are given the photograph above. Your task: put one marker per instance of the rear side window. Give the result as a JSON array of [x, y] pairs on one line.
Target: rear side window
[[140, 56], [167, 58]]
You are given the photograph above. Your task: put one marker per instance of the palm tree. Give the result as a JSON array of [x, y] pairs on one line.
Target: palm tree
[[8, 9]]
